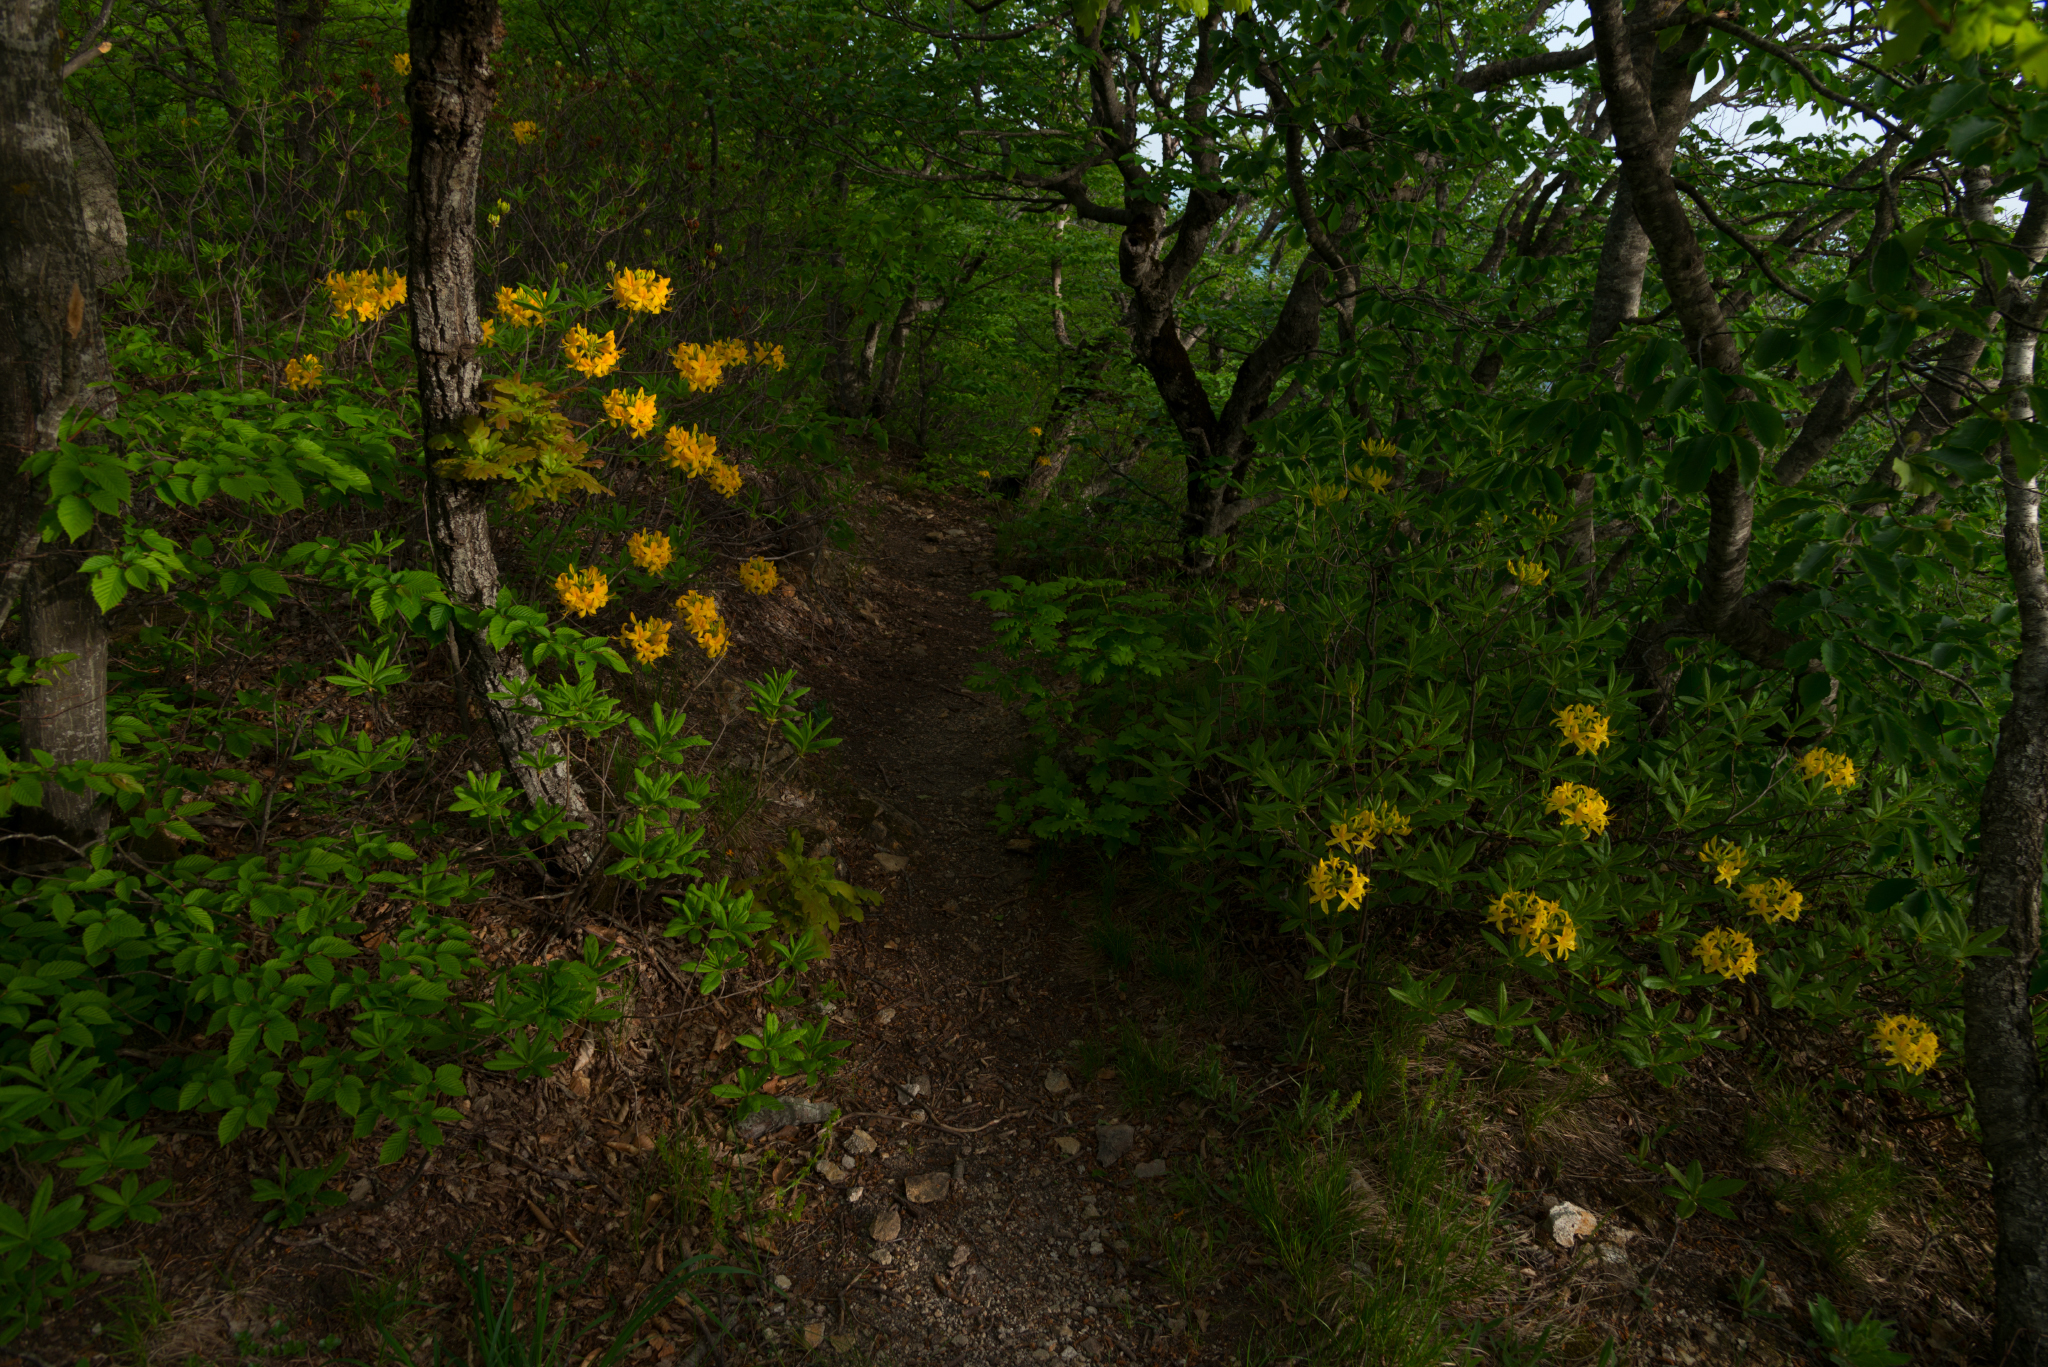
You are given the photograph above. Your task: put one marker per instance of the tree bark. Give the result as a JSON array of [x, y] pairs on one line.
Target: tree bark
[[2000, 1060], [52, 352], [450, 95]]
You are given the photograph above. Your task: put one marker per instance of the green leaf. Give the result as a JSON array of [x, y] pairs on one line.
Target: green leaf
[[74, 515]]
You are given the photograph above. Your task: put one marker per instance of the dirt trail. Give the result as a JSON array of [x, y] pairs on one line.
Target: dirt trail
[[970, 991]]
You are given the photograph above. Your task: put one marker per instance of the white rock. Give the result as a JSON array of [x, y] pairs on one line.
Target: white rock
[[1056, 1082], [1567, 1224]]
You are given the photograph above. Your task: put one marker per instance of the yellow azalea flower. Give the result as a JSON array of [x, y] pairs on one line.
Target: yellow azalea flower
[[1323, 495], [648, 639], [700, 616], [1539, 926], [1365, 828], [1774, 899], [583, 592], [303, 373], [401, 62], [770, 356], [634, 411], [1584, 726], [366, 294], [490, 331], [757, 575], [595, 356], [1729, 860], [691, 451], [724, 478], [651, 551], [1038, 431], [1376, 449], [1911, 1042], [1339, 881], [1377, 480], [984, 474], [525, 131], [641, 291], [1579, 806], [1726, 952], [1530, 573], [701, 365], [1043, 460], [497, 215], [522, 306], [1834, 771]]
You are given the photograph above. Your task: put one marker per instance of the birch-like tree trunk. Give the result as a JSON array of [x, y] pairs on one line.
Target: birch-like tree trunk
[[2004, 1069], [450, 96]]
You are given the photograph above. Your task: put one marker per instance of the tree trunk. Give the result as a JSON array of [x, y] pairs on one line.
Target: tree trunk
[[450, 96], [298, 22], [2000, 1060], [51, 352]]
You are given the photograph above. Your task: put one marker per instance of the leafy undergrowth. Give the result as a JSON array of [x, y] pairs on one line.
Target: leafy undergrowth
[[1388, 1197]]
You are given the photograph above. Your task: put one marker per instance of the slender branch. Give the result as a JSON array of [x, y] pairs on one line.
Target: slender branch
[[1785, 55], [1687, 189]]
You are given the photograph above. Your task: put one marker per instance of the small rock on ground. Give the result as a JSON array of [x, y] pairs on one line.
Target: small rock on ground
[[1112, 1142], [784, 1113], [1155, 1168], [1568, 1224], [887, 1226], [860, 1141], [1056, 1082], [927, 1187]]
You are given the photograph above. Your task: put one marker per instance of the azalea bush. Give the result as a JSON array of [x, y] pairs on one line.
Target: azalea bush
[[1395, 715]]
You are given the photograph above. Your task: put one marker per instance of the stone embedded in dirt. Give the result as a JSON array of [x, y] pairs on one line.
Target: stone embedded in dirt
[[878, 830], [860, 1141], [853, 1197], [1056, 1082], [885, 1015], [961, 1253], [814, 1334], [1567, 1224], [913, 1089], [1155, 1168], [1020, 845], [887, 1226], [891, 863], [1112, 1142], [1068, 1145], [927, 1187], [360, 1192], [794, 1110]]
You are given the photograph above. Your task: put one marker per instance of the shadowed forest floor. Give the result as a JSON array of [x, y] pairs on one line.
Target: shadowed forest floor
[[1069, 1128]]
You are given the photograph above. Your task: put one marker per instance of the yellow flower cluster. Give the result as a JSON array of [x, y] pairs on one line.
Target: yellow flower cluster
[[691, 451], [1530, 573], [651, 551], [401, 62], [703, 364], [1363, 829], [1322, 495], [634, 411], [490, 330], [757, 575], [525, 131], [521, 305], [1579, 806], [648, 639], [640, 291], [700, 615], [1834, 771], [583, 591], [1726, 952], [1774, 899], [1584, 726], [366, 294], [1377, 449], [725, 479], [302, 373], [1339, 881], [1538, 925], [1912, 1043], [1377, 480], [770, 356], [595, 356], [1728, 859]]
